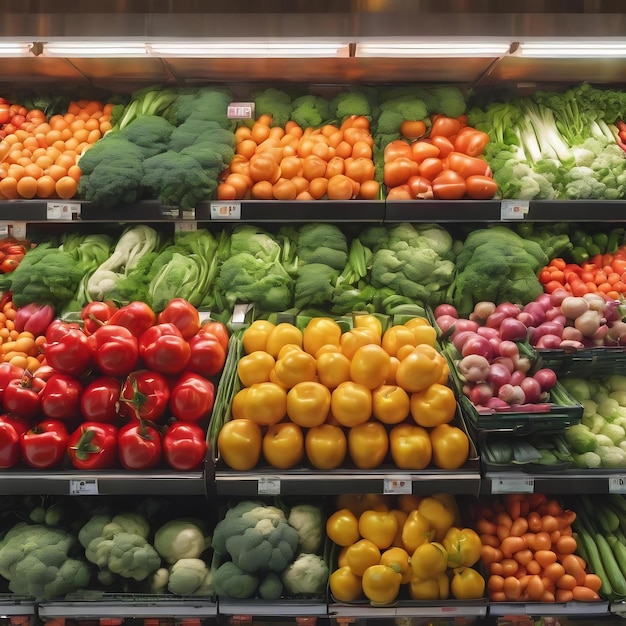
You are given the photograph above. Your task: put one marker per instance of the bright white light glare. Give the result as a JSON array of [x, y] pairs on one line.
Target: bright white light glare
[[95, 49], [15, 49], [242, 48], [573, 49], [432, 48]]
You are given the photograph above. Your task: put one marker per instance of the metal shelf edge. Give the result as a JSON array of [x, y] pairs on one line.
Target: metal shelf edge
[[547, 608], [262, 607], [187, 608]]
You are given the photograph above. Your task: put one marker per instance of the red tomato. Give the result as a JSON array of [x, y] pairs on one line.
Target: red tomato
[[420, 187], [471, 141], [217, 330], [395, 149], [466, 165], [431, 167], [444, 144], [481, 187], [444, 126], [424, 149], [183, 315], [449, 186], [403, 192], [398, 171]]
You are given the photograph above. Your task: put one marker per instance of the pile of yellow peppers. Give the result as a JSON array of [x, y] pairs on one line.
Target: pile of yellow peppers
[[324, 395], [404, 546]]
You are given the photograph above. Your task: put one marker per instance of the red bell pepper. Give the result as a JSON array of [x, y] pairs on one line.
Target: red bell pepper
[[139, 446], [9, 372], [99, 401], [21, 396], [60, 398], [93, 445], [184, 446], [45, 444], [12, 427], [164, 349], [114, 350], [57, 329], [136, 316], [192, 397], [144, 395], [183, 315], [96, 314], [216, 329], [69, 354], [207, 354]]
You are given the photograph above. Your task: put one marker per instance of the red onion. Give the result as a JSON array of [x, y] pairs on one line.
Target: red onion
[[517, 377], [611, 311], [546, 378], [544, 300], [495, 319], [511, 394], [558, 295], [526, 318], [509, 308], [512, 329], [571, 344], [488, 332], [499, 375], [459, 339], [548, 342], [495, 343], [446, 322], [522, 363], [464, 324], [509, 348], [445, 309], [497, 403], [477, 345], [547, 328], [537, 312], [532, 389], [506, 361], [481, 394]]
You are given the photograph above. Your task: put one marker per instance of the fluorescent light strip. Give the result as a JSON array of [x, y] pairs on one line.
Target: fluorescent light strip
[[95, 49], [432, 49], [573, 49], [245, 48], [15, 49]]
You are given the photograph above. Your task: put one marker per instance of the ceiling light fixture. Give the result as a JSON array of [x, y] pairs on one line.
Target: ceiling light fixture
[[104, 49], [432, 48], [15, 49], [570, 48], [247, 48]]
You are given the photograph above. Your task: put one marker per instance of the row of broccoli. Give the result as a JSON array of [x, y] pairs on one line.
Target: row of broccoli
[[52, 549]]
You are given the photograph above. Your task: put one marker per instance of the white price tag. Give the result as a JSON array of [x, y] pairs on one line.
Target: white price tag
[[617, 484], [4, 230], [226, 210], [84, 487], [514, 209], [18, 230], [268, 486], [240, 111], [513, 484], [62, 210], [397, 485], [185, 226]]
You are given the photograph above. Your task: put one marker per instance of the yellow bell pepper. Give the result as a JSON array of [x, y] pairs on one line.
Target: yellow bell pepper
[[429, 560], [467, 584], [400, 516], [361, 555], [281, 335], [255, 336], [398, 559], [438, 516], [381, 584], [424, 334], [293, 367], [395, 337], [433, 406], [450, 446], [368, 320], [379, 527], [463, 546], [353, 339], [430, 589], [342, 527], [345, 585], [264, 403], [419, 369], [320, 331], [416, 531]]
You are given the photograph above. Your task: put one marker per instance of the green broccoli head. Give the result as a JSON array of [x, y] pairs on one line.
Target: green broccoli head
[[150, 132], [207, 104], [322, 243], [350, 102], [177, 179], [230, 581], [273, 102], [450, 100], [315, 285], [310, 111]]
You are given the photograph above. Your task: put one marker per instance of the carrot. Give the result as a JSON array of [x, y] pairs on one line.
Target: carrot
[[490, 540], [549, 523], [502, 532], [511, 545], [509, 567], [504, 519], [563, 595], [572, 567], [534, 522], [495, 583], [567, 581], [545, 557], [533, 568], [485, 527], [519, 527], [512, 588], [593, 581], [489, 554], [524, 557], [496, 568], [497, 596], [566, 545]]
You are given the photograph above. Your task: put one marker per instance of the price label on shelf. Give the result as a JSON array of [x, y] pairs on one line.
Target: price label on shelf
[[63, 211], [226, 210], [186, 226], [514, 209], [84, 487], [617, 484], [512, 484], [240, 111], [396, 485], [268, 486]]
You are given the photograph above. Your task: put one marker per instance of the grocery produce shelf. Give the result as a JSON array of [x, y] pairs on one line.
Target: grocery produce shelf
[[179, 608], [261, 482], [445, 609], [291, 608], [120, 482], [352, 211], [567, 482], [13, 606], [548, 608]]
